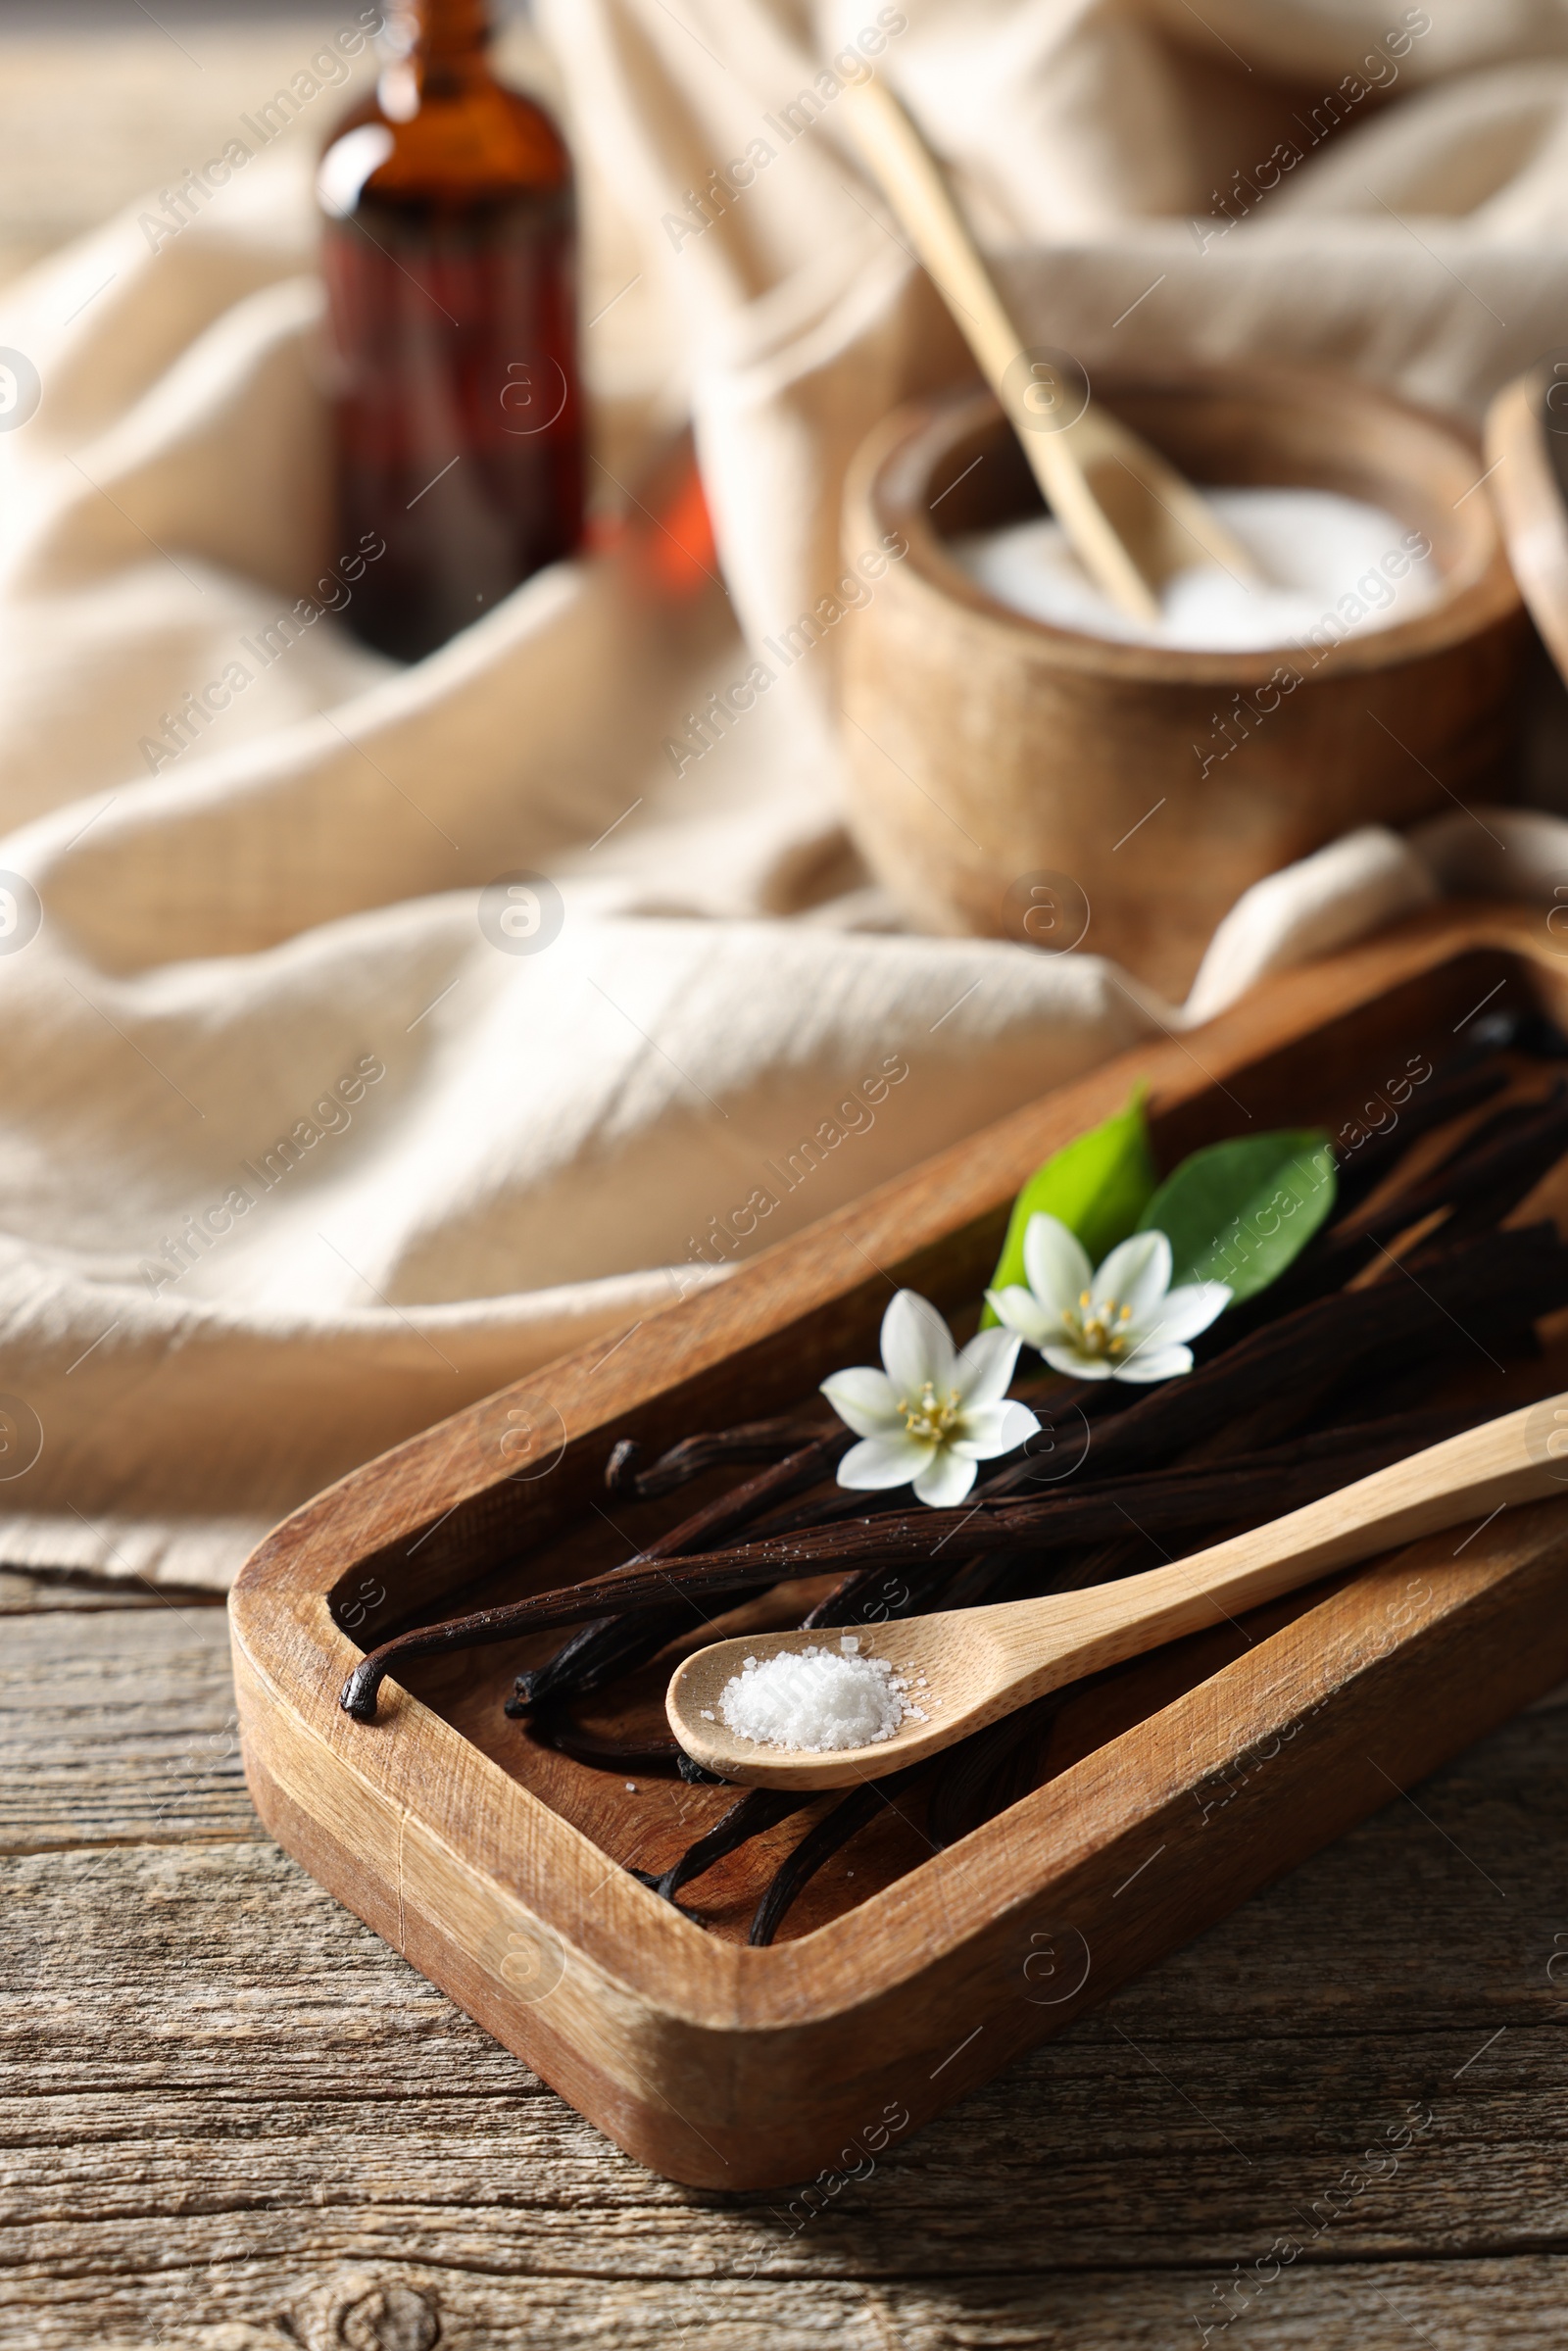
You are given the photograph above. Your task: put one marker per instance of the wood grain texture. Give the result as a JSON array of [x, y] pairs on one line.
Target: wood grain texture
[[472, 1853], [1149, 786], [232, 2120], [25, 1591], [99, 1740], [1526, 460]]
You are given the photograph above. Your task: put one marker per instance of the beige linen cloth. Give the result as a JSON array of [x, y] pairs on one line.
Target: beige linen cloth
[[306, 1137]]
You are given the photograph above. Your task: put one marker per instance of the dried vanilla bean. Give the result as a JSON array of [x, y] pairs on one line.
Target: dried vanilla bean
[[1498, 1279], [655, 1755], [1167, 1499], [759, 1810], [488, 1625], [818, 1846], [596, 1653], [616, 1645], [1481, 1286], [989, 1577], [1171, 1498], [1494, 1178], [750, 1441], [1361, 1170], [1161, 1501], [1334, 1256], [1503, 1277], [612, 1645], [875, 1594], [991, 1770]]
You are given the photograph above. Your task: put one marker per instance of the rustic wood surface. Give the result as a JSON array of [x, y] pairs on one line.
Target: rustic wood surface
[[234, 2119], [729, 2068], [1528, 462]]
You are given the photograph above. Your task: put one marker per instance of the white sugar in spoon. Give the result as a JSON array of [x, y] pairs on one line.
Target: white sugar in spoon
[[982, 1663]]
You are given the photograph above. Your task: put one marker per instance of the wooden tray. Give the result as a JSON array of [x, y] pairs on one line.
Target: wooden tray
[[1176, 1786]]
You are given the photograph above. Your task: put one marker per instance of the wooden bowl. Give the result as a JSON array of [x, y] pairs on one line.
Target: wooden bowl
[[1527, 458], [1011, 779]]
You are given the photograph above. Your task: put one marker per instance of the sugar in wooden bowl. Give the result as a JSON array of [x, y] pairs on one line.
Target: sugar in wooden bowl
[[1307, 545], [1019, 764]]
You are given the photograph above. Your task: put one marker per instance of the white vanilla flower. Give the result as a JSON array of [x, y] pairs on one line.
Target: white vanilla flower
[[1124, 1322], [931, 1414]]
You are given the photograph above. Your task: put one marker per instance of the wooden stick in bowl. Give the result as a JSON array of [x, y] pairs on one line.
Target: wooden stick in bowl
[[1129, 517]]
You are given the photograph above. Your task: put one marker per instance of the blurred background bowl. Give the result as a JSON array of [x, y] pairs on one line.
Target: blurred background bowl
[[1004, 773]]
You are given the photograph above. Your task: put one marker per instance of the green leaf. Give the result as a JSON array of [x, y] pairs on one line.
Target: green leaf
[[1097, 1186], [1238, 1212]]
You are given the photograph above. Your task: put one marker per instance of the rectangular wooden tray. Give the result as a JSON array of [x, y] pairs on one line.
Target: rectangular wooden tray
[[1177, 1785]]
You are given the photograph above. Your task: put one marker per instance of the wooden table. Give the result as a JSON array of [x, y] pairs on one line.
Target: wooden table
[[234, 2119]]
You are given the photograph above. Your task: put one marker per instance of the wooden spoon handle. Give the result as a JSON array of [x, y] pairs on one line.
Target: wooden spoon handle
[[1091, 458], [1471, 1476], [915, 188]]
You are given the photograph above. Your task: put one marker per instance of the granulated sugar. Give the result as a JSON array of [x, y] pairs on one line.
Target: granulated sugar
[[1332, 564], [817, 1700]]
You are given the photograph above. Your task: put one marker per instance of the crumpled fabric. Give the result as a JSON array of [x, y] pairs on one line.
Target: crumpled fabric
[[375, 1042]]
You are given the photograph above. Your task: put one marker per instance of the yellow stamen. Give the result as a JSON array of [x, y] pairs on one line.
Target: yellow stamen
[[1098, 1330], [931, 1420]]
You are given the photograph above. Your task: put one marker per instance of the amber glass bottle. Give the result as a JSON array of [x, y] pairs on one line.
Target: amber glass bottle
[[449, 253]]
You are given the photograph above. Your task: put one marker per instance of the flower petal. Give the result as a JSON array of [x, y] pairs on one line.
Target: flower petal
[[1055, 1262], [1182, 1313], [865, 1400], [1022, 1312], [1135, 1274], [883, 1461], [1160, 1363], [916, 1346], [986, 1365], [991, 1429], [1067, 1360], [946, 1480]]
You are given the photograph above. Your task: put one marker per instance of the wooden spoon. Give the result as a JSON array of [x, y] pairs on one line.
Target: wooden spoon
[[982, 1663], [1130, 518]]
